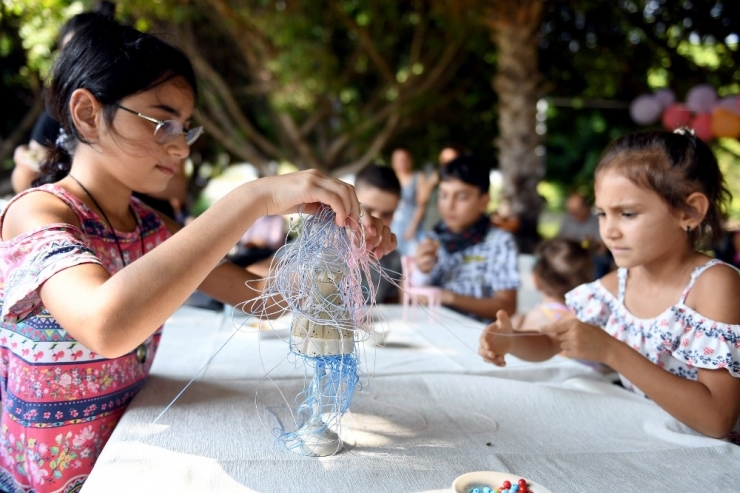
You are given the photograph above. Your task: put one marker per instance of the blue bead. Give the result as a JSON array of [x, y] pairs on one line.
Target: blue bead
[[487, 490], [474, 490], [514, 488]]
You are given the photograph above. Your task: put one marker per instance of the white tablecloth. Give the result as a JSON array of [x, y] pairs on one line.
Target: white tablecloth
[[430, 411]]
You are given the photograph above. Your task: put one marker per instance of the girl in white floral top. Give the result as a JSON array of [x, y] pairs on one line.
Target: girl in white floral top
[[668, 320]]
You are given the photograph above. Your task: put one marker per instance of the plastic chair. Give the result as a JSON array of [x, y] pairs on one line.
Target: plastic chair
[[411, 292]]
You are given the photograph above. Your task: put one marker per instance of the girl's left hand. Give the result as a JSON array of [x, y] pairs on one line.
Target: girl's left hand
[[580, 340]]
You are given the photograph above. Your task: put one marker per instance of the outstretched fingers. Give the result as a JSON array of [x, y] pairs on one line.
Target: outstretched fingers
[[492, 346]]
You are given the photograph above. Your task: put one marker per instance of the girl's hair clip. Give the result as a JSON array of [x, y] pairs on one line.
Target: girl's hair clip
[[64, 141], [685, 131]]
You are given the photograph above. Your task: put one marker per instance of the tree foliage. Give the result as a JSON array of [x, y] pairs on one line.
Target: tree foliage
[[332, 84], [598, 56], [324, 84]]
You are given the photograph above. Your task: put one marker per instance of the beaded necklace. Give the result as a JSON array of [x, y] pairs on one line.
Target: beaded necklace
[[110, 224]]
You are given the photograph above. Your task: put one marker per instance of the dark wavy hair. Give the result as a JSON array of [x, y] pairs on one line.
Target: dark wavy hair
[[112, 61], [377, 176], [673, 165], [468, 169]]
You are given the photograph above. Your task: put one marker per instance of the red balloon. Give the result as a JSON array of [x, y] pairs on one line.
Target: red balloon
[[702, 125], [675, 116], [725, 123]]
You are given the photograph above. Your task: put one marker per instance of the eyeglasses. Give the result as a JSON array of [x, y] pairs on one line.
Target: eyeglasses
[[169, 130]]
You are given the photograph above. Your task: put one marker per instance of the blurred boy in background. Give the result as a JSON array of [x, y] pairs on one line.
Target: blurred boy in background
[[379, 192], [474, 262]]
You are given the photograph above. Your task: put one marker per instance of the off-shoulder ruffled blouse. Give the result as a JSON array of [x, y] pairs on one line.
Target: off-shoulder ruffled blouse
[[680, 339]]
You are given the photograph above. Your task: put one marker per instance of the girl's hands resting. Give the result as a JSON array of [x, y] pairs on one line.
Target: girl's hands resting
[[493, 346], [581, 340]]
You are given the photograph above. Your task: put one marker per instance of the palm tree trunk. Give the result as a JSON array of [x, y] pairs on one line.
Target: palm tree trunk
[[515, 26]]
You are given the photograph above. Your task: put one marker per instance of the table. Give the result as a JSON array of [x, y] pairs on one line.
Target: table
[[431, 410]]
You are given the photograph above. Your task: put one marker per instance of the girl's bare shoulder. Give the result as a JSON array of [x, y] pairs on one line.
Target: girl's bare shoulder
[[716, 293], [34, 210], [611, 282]]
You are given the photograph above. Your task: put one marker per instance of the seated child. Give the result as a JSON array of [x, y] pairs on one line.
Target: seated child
[[379, 191], [667, 320], [560, 266], [474, 262]]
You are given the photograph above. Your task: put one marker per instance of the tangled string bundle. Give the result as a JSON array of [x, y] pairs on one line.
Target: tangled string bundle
[[318, 278], [323, 247]]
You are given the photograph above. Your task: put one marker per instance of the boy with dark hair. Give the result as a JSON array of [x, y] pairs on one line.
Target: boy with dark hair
[[379, 191], [474, 262]]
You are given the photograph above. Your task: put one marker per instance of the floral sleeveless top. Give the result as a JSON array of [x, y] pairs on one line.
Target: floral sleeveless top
[[679, 340], [61, 401]]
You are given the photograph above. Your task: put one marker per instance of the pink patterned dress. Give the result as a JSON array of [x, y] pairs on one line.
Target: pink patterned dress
[[679, 340], [61, 401]]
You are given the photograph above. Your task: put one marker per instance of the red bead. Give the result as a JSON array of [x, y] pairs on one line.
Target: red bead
[[522, 483], [507, 485]]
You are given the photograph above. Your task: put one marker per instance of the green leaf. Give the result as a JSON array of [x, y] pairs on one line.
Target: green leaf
[[54, 450], [53, 464]]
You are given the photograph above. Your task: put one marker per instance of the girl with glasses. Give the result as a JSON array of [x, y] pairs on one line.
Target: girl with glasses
[[89, 274]]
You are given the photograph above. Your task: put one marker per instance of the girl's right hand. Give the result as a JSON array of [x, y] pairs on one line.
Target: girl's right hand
[[493, 346], [426, 255], [305, 191]]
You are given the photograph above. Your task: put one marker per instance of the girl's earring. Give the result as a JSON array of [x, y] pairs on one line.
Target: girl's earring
[[688, 229]]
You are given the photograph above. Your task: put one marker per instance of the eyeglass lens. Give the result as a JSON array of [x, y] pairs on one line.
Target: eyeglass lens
[[169, 130]]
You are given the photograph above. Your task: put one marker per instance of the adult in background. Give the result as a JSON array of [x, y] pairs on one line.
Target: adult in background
[[410, 211], [431, 212], [582, 226]]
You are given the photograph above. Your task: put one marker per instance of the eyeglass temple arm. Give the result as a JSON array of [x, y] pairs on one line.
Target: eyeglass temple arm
[[148, 118]]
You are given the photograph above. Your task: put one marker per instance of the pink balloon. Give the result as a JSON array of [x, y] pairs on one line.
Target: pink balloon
[[730, 103], [702, 125], [645, 109], [675, 116], [665, 97], [701, 98]]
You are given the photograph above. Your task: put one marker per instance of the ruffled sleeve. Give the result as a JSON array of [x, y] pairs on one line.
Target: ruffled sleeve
[[590, 304], [31, 259], [707, 344]]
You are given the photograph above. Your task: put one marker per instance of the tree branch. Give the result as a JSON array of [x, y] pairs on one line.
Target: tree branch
[[366, 43]]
